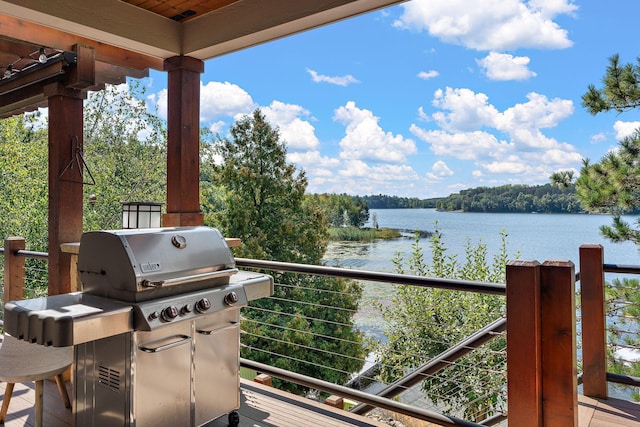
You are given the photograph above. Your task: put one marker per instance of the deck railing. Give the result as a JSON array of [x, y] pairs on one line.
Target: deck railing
[[541, 323]]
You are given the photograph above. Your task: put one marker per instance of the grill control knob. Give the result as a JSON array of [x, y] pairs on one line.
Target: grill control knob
[[231, 298], [186, 309], [203, 305], [169, 313]]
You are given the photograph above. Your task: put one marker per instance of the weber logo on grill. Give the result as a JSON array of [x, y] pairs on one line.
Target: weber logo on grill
[[148, 267]]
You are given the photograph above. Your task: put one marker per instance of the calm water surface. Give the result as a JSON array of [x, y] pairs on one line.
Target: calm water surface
[[529, 236]]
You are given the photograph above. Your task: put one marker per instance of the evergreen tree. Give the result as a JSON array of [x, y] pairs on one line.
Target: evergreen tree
[[307, 327], [612, 185], [621, 91]]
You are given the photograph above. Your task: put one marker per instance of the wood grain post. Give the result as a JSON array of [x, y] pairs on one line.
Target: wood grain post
[[593, 321], [13, 269], [559, 370], [524, 379], [183, 141], [66, 178]]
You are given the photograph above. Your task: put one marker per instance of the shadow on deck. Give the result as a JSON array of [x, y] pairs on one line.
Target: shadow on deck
[[263, 406]]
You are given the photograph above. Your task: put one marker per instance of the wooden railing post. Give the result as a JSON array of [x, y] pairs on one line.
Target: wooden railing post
[[558, 330], [524, 363], [13, 269], [593, 321]]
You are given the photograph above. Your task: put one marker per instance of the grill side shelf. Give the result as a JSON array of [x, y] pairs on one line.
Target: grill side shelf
[[67, 319]]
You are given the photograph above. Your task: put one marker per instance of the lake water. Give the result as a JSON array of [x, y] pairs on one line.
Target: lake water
[[538, 237]]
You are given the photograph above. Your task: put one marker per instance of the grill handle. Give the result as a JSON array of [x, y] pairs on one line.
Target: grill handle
[[182, 339], [189, 279], [215, 331]]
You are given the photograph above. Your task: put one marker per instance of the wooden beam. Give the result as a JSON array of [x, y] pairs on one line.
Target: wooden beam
[[56, 39], [65, 184], [83, 75], [183, 142], [24, 79]]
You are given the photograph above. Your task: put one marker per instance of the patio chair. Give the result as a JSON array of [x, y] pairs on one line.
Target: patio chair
[[21, 362]]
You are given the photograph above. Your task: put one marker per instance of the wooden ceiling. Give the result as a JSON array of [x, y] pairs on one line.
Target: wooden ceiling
[[126, 38], [180, 10]]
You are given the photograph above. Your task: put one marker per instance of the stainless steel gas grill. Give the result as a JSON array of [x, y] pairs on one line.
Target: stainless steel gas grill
[[156, 327]]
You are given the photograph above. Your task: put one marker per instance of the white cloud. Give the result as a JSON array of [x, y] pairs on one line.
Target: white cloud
[[224, 99], [440, 168], [313, 159], [490, 24], [217, 99], [467, 110], [624, 129], [335, 80], [598, 138], [297, 133], [537, 112], [217, 126], [426, 75], [462, 145], [502, 66], [471, 128], [366, 140]]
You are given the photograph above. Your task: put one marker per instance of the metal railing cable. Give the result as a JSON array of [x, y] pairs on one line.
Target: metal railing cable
[[357, 395], [439, 362], [431, 368]]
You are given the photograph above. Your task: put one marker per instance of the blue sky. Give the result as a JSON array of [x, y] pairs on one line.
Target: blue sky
[[430, 97]]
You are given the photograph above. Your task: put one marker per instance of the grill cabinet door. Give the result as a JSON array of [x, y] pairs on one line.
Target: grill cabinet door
[[217, 365], [162, 375]]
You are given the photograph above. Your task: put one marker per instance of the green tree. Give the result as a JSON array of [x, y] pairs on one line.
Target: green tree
[[307, 327], [23, 181], [23, 185], [125, 152], [612, 186], [621, 91], [424, 322], [341, 209]]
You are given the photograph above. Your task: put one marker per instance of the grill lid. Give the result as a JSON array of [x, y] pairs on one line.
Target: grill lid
[[142, 264]]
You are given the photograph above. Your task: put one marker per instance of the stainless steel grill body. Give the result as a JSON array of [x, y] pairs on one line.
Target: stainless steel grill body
[[156, 328], [144, 264]]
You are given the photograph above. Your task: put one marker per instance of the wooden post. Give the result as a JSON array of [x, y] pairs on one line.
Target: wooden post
[[183, 141], [593, 321], [13, 269], [335, 402], [65, 180], [558, 329], [524, 379], [263, 379]]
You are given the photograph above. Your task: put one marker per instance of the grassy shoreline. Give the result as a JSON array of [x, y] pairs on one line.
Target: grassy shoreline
[[355, 234]]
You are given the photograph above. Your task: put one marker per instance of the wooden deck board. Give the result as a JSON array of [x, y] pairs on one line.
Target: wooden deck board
[[263, 406]]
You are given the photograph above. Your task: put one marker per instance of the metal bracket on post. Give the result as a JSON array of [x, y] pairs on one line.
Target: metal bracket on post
[[77, 159]]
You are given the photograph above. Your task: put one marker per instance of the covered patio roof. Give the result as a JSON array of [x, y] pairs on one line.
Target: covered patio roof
[[53, 51], [129, 37]]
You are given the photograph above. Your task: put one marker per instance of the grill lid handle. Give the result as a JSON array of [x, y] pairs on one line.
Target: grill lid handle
[[188, 279]]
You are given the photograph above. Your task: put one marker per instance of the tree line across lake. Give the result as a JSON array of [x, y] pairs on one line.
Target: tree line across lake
[[504, 199]]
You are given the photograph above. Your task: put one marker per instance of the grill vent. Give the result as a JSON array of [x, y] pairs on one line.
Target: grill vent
[[109, 378]]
